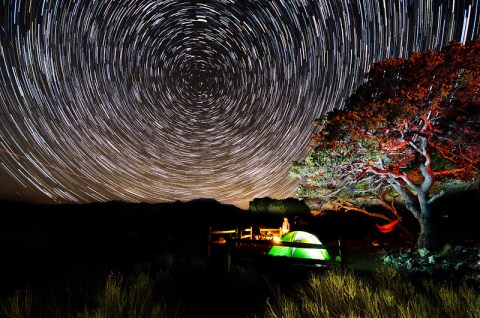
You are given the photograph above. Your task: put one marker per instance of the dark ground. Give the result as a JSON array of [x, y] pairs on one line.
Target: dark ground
[[74, 247]]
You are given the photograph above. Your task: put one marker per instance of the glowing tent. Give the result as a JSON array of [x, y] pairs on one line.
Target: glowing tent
[[300, 252]]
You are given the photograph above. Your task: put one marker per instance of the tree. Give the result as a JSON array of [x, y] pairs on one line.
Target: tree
[[283, 207], [408, 132]]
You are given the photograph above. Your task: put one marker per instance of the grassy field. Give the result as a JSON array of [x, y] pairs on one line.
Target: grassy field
[[385, 293], [181, 285], [128, 261]]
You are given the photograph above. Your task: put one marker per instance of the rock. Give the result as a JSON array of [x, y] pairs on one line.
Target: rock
[[409, 265], [423, 252]]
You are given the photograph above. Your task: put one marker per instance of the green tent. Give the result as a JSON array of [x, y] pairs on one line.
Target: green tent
[[300, 252]]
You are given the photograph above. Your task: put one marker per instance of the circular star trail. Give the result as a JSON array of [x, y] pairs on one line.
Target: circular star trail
[[156, 101]]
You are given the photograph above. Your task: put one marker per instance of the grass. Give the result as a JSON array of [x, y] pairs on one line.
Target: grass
[[117, 297], [17, 305], [332, 293], [178, 284], [387, 293]]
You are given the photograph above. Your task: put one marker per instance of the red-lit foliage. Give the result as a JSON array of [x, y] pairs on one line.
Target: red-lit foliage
[[411, 127]]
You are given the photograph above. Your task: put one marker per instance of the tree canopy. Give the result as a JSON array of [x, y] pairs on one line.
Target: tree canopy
[[284, 207], [409, 130]]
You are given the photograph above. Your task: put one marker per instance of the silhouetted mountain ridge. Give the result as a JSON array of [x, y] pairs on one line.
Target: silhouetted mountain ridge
[[114, 232]]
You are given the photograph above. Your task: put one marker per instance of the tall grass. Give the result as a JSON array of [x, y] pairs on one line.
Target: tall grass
[[18, 305], [130, 298], [340, 293], [118, 297], [332, 293]]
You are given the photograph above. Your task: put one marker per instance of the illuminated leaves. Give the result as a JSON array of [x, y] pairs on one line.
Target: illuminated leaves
[[412, 123]]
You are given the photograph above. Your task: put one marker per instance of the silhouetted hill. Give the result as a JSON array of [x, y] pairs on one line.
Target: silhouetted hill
[[210, 209], [38, 240], [181, 219]]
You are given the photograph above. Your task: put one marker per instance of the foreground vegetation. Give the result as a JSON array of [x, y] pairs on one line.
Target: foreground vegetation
[[117, 297], [386, 292]]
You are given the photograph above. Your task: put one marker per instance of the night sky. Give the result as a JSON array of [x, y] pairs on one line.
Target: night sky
[[157, 101]]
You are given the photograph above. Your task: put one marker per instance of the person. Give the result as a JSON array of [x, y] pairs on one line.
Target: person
[[285, 226]]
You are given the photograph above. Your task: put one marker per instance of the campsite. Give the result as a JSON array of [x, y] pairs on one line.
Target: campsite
[[65, 256]]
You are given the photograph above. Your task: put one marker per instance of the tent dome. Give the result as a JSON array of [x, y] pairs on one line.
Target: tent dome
[[300, 252]]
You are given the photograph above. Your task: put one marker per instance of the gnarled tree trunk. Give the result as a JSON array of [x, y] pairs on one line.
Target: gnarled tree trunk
[[428, 237]]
